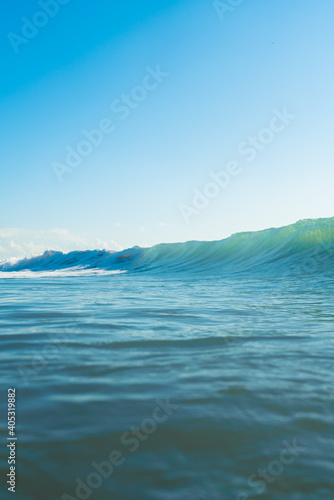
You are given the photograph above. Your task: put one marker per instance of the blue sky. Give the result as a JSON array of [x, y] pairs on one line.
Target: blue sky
[[223, 80]]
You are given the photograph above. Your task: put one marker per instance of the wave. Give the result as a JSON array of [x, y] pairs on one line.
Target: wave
[[301, 248]]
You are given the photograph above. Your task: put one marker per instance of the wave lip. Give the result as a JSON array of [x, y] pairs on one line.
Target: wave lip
[[301, 248]]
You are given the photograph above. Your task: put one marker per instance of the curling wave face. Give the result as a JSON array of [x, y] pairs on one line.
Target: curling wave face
[[301, 248]]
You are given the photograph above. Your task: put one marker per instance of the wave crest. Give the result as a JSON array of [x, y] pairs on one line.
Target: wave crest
[[307, 246]]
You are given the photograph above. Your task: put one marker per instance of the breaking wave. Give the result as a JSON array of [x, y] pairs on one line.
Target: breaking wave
[[301, 248]]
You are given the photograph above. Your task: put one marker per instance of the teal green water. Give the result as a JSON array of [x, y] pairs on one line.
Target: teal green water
[[174, 383]]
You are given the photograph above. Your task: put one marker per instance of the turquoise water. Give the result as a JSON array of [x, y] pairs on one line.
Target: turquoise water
[[212, 380]]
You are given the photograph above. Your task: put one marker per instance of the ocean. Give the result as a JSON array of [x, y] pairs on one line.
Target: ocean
[[199, 370]]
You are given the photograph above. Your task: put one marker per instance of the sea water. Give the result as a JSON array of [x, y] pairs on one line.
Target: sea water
[[171, 385]]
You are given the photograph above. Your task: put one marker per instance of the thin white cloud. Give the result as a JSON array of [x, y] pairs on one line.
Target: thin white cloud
[[17, 242]]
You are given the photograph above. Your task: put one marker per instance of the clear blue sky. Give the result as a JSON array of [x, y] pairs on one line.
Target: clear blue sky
[[226, 75]]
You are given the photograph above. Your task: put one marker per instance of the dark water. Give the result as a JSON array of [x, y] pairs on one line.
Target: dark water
[[226, 378]]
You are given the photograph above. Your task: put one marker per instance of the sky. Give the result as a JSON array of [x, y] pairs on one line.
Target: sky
[[136, 123]]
